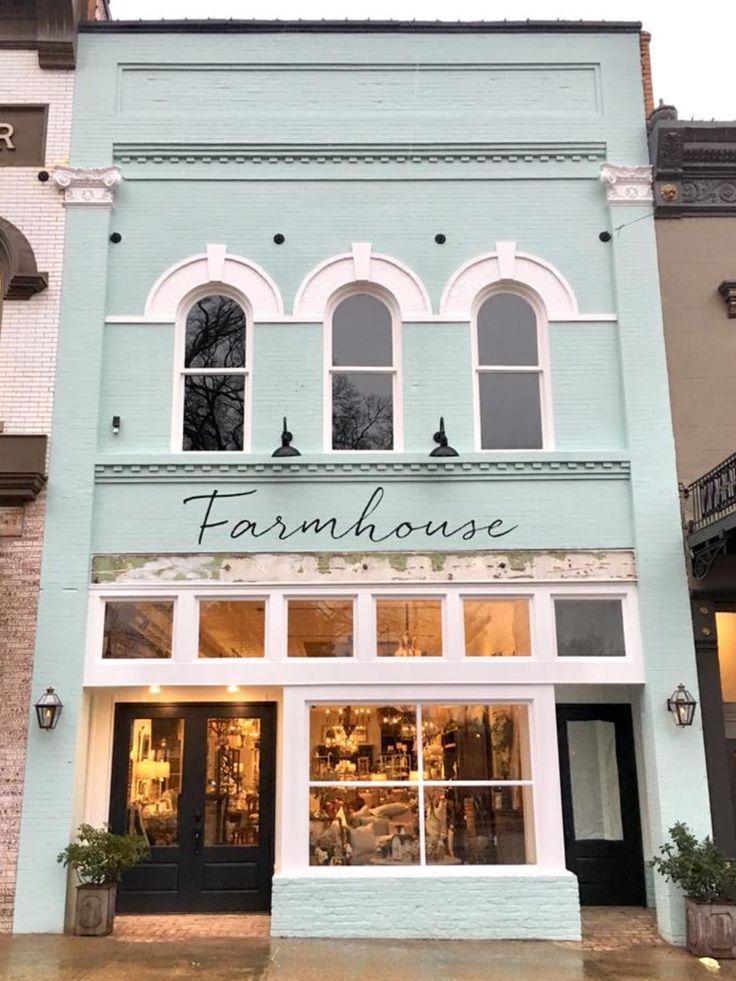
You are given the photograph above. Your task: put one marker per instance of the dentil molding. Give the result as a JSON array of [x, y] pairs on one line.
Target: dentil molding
[[91, 186], [627, 185]]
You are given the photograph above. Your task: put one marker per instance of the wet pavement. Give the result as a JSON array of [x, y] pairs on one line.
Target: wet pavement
[[48, 958]]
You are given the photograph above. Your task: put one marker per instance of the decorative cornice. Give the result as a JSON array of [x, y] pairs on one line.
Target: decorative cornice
[[627, 185], [90, 186], [304, 471], [371, 153]]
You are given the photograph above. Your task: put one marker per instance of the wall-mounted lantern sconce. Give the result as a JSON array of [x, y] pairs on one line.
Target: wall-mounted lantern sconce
[[286, 449], [440, 437], [115, 425], [682, 706], [48, 710]]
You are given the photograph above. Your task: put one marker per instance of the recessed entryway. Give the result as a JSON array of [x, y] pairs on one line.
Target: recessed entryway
[[600, 803], [197, 780]]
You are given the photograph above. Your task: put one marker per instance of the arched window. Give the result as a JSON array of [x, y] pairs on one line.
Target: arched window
[[214, 376], [510, 378], [363, 373]]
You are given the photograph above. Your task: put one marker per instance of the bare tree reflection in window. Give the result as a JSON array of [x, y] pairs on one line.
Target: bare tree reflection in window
[[214, 403], [362, 411]]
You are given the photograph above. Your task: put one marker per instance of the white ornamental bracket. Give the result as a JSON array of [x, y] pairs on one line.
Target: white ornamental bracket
[[627, 185], [91, 186]]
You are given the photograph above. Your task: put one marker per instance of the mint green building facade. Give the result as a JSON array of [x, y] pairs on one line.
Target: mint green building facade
[[280, 668]]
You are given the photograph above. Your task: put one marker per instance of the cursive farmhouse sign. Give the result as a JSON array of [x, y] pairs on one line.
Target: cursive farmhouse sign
[[214, 511]]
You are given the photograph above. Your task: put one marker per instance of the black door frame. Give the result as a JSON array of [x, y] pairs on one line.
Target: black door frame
[[633, 870], [188, 857]]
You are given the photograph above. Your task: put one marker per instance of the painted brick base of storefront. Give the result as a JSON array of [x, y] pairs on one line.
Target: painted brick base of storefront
[[513, 907], [20, 565]]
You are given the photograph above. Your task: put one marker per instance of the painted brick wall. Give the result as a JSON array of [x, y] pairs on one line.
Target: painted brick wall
[[540, 907], [28, 330], [27, 361]]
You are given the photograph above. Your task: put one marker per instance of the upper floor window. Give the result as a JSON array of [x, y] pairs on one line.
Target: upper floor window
[[509, 374], [363, 377], [214, 377]]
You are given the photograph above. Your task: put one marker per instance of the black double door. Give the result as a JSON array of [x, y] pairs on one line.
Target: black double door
[[198, 782], [600, 803]]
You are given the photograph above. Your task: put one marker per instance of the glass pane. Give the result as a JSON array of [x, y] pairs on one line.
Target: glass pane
[[154, 780], [320, 628], [507, 331], [475, 742], [726, 633], [409, 628], [596, 800], [363, 742], [215, 334], [233, 775], [361, 332], [137, 629], [497, 628], [362, 411], [589, 628], [478, 826], [214, 412], [231, 628], [510, 412], [363, 826]]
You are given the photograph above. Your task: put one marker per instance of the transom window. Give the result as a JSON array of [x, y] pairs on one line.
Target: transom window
[[215, 375], [420, 785], [509, 374], [362, 374]]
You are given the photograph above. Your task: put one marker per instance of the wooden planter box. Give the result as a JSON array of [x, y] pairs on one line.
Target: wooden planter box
[[95, 910], [711, 929]]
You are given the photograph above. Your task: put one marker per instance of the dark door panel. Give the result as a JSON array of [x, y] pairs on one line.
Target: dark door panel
[[600, 803], [198, 782]]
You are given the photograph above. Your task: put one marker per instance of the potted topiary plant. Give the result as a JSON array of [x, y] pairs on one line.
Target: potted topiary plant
[[708, 880], [99, 858]]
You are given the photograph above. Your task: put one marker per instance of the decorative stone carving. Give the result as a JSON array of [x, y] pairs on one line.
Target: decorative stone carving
[[727, 289], [627, 185], [712, 192], [92, 186]]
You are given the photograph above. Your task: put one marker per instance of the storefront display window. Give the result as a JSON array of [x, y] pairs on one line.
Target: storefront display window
[[459, 795], [137, 629], [409, 627], [589, 628], [497, 627], [320, 628], [231, 628]]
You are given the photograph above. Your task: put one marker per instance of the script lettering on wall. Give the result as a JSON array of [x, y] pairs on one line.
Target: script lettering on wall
[[223, 516], [22, 135]]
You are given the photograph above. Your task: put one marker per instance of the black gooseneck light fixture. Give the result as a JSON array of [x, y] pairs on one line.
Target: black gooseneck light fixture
[[286, 449], [440, 437]]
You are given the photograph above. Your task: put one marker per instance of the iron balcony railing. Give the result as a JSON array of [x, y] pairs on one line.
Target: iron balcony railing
[[712, 497]]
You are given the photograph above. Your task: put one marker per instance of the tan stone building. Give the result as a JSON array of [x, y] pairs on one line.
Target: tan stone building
[[37, 61], [695, 211]]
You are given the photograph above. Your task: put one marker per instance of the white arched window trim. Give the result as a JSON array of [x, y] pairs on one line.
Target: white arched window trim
[[352, 289], [542, 368], [177, 410]]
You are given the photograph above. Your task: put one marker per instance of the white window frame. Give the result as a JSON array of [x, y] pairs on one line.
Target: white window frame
[[542, 367], [543, 666], [546, 811], [353, 289], [180, 372]]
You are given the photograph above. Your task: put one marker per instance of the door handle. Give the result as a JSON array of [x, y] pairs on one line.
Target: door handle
[[197, 840]]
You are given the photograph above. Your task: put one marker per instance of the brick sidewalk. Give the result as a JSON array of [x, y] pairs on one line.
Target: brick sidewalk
[[604, 927]]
